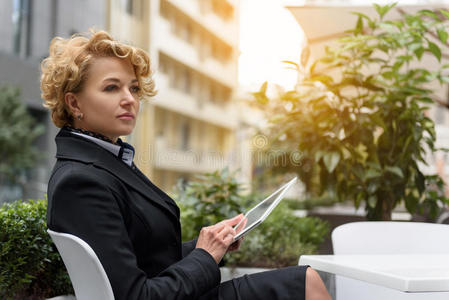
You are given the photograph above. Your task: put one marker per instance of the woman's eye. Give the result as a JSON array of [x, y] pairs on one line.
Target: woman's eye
[[110, 88], [135, 89]]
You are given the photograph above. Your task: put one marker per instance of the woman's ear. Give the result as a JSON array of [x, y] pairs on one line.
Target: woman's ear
[[72, 103]]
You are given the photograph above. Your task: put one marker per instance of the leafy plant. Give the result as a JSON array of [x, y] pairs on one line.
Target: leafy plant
[[359, 115], [280, 240], [277, 242], [18, 130], [208, 200], [30, 265]]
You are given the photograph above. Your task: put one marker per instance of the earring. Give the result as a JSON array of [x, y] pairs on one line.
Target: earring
[[79, 117]]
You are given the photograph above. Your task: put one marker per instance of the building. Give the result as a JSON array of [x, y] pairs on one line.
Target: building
[[26, 30], [192, 126]]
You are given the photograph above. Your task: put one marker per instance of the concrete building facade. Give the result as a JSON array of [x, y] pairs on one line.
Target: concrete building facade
[[26, 29], [191, 125]]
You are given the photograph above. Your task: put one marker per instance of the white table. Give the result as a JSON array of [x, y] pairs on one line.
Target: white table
[[410, 274]]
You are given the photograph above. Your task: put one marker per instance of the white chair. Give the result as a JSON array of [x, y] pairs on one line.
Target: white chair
[[88, 277], [386, 238]]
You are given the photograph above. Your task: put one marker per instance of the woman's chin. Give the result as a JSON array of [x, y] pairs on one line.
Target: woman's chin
[[126, 131]]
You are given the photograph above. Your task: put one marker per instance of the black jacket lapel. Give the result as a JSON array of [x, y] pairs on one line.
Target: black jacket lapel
[[77, 148]]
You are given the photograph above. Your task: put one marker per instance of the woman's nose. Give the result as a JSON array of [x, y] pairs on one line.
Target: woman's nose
[[128, 97]]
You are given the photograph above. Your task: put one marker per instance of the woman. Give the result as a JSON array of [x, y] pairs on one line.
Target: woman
[[93, 86]]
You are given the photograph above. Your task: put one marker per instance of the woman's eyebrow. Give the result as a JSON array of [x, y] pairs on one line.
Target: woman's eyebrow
[[118, 80]]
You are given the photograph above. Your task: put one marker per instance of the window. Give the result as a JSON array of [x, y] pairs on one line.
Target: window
[[21, 19], [163, 64], [187, 81], [161, 119], [222, 9], [132, 7], [127, 5], [185, 135], [213, 94]]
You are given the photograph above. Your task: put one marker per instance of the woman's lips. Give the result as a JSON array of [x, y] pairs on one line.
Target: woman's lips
[[126, 117]]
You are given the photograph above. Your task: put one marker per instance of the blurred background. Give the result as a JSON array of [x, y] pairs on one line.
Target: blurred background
[[208, 56]]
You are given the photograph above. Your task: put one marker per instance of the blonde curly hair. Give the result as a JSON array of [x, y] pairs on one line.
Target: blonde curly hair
[[67, 66]]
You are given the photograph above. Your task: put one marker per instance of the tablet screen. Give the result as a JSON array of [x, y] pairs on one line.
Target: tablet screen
[[255, 215]]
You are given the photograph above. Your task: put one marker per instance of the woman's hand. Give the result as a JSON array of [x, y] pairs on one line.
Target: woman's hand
[[217, 238], [236, 245]]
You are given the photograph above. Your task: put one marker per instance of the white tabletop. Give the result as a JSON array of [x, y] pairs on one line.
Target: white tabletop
[[407, 273]]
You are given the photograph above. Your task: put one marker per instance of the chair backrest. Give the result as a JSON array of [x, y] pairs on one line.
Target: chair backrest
[[88, 277], [391, 238]]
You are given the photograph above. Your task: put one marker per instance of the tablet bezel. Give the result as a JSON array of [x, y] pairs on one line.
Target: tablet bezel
[[270, 208]]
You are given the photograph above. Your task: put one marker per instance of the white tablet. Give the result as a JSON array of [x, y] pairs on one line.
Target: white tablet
[[259, 213]]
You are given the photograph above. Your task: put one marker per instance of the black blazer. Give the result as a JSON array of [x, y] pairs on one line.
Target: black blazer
[[132, 225]]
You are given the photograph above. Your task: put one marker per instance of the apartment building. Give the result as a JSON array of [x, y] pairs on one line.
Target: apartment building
[[26, 29], [192, 125]]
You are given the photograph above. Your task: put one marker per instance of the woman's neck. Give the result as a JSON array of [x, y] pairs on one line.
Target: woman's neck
[[92, 133]]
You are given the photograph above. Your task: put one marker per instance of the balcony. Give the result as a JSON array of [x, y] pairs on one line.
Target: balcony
[[225, 31], [185, 53], [187, 105], [172, 159]]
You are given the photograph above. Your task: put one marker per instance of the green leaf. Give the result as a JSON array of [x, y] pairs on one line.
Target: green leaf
[[419, 52], [425, 100], [295, 65], [399, 24], [318, 155], [261, 96], [359, 26], [443, 35], [371, 23], [322, 78], [383, 10], [435, 50], [372, 173], [263, 88], [331, 161], [445, 13], [420, 182], [411, 203], [429, 13], [388, 26], [414, 46], [395, 170]]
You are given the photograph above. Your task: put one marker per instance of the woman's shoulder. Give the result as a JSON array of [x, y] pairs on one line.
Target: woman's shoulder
[[74, 171]]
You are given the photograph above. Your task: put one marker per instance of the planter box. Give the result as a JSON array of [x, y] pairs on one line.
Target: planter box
[[228, 273]]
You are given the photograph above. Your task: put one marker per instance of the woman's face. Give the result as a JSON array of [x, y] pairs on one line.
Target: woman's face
[[109, 99]]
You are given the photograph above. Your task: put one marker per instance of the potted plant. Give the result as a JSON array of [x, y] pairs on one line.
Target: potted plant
[[358, 116], [30, 265]]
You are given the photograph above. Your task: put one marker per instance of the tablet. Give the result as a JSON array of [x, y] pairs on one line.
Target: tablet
[[259, 213]]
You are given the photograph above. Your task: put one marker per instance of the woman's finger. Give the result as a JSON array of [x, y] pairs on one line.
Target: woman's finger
[[234, 221], [229, 239], [227, 230]]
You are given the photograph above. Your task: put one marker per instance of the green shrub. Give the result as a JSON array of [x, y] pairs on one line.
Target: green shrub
[[280, 240], [310, 202], [30, 265], [277, 242], [207, 201]]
